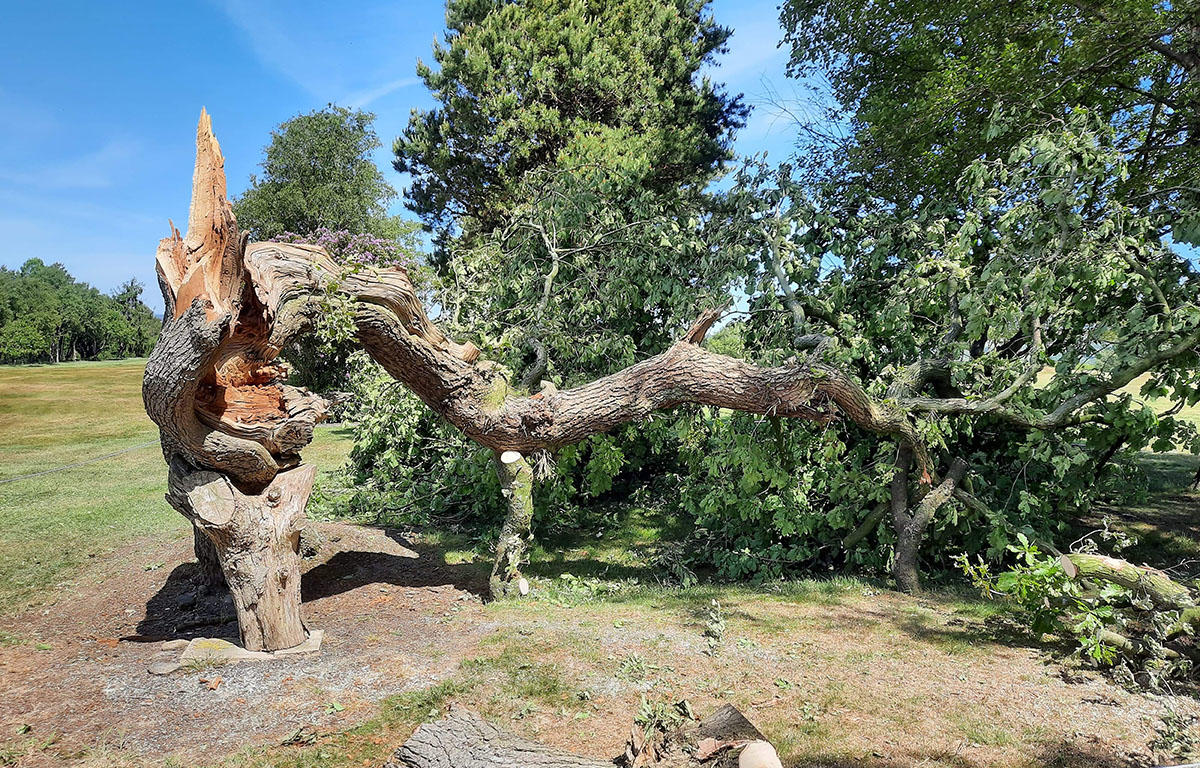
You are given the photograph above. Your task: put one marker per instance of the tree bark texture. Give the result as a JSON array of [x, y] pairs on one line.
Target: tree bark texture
[[462, 739], [910, 526], [257, 540], [516, 484], [230, 429], [209, 576], [1164, 592]]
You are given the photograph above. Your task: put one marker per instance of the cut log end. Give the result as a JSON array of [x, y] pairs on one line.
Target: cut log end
[[510, 457]]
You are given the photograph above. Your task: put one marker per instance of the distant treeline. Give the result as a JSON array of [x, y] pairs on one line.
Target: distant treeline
[[47, 316]]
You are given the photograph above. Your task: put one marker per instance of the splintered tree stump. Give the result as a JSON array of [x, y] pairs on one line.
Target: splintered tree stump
[[231, 430], [714, 742]]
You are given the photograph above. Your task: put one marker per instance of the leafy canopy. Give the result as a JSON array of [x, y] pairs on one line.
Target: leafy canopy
[[318, 173], [926, 87], [564, 84]]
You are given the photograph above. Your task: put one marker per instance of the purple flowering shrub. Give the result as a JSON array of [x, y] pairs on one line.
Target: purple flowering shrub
[[349, 249]]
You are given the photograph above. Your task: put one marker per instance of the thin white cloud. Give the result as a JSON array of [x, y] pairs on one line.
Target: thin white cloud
[[348, 59], [364, 98], [271, 44]]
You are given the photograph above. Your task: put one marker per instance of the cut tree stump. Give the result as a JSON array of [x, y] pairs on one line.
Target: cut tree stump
[[462, 739]]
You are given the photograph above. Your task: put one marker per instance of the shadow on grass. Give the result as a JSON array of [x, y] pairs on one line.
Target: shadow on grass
[[350, 569], [958, 635], [1167, 525], [1047, 755]]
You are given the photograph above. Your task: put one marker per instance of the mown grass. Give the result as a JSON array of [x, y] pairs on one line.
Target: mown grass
[[52, 524]]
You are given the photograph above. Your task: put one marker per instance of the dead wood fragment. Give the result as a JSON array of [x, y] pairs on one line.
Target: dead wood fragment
[[714, 742], [462, 739]]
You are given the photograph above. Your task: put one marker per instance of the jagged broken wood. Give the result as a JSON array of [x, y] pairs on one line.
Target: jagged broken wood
[[713, 742], [230, 429]]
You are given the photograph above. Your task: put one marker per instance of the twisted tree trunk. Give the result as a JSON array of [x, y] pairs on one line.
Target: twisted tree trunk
[[230, 429]]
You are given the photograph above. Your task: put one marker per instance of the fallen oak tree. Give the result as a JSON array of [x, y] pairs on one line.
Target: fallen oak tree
[[1163, 592], [478, 398], [231, 429]]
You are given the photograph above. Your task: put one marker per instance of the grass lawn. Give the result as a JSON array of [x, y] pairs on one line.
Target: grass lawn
[[57, 415]]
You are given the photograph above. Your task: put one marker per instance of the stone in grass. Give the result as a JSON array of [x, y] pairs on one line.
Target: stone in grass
[[174, 645], [214, 651], [164, 667], [759, 754]]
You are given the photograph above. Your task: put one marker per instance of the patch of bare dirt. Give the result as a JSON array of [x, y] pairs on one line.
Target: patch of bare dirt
[[395, 617], [875, 680]]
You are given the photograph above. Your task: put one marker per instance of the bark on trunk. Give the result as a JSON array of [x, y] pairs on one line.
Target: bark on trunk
[[462, 739], [516, 484], [257, 540], [1163, 591], [209, 575], [910, 528]]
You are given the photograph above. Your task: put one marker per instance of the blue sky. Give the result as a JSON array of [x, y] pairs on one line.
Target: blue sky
[[98, 104]]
